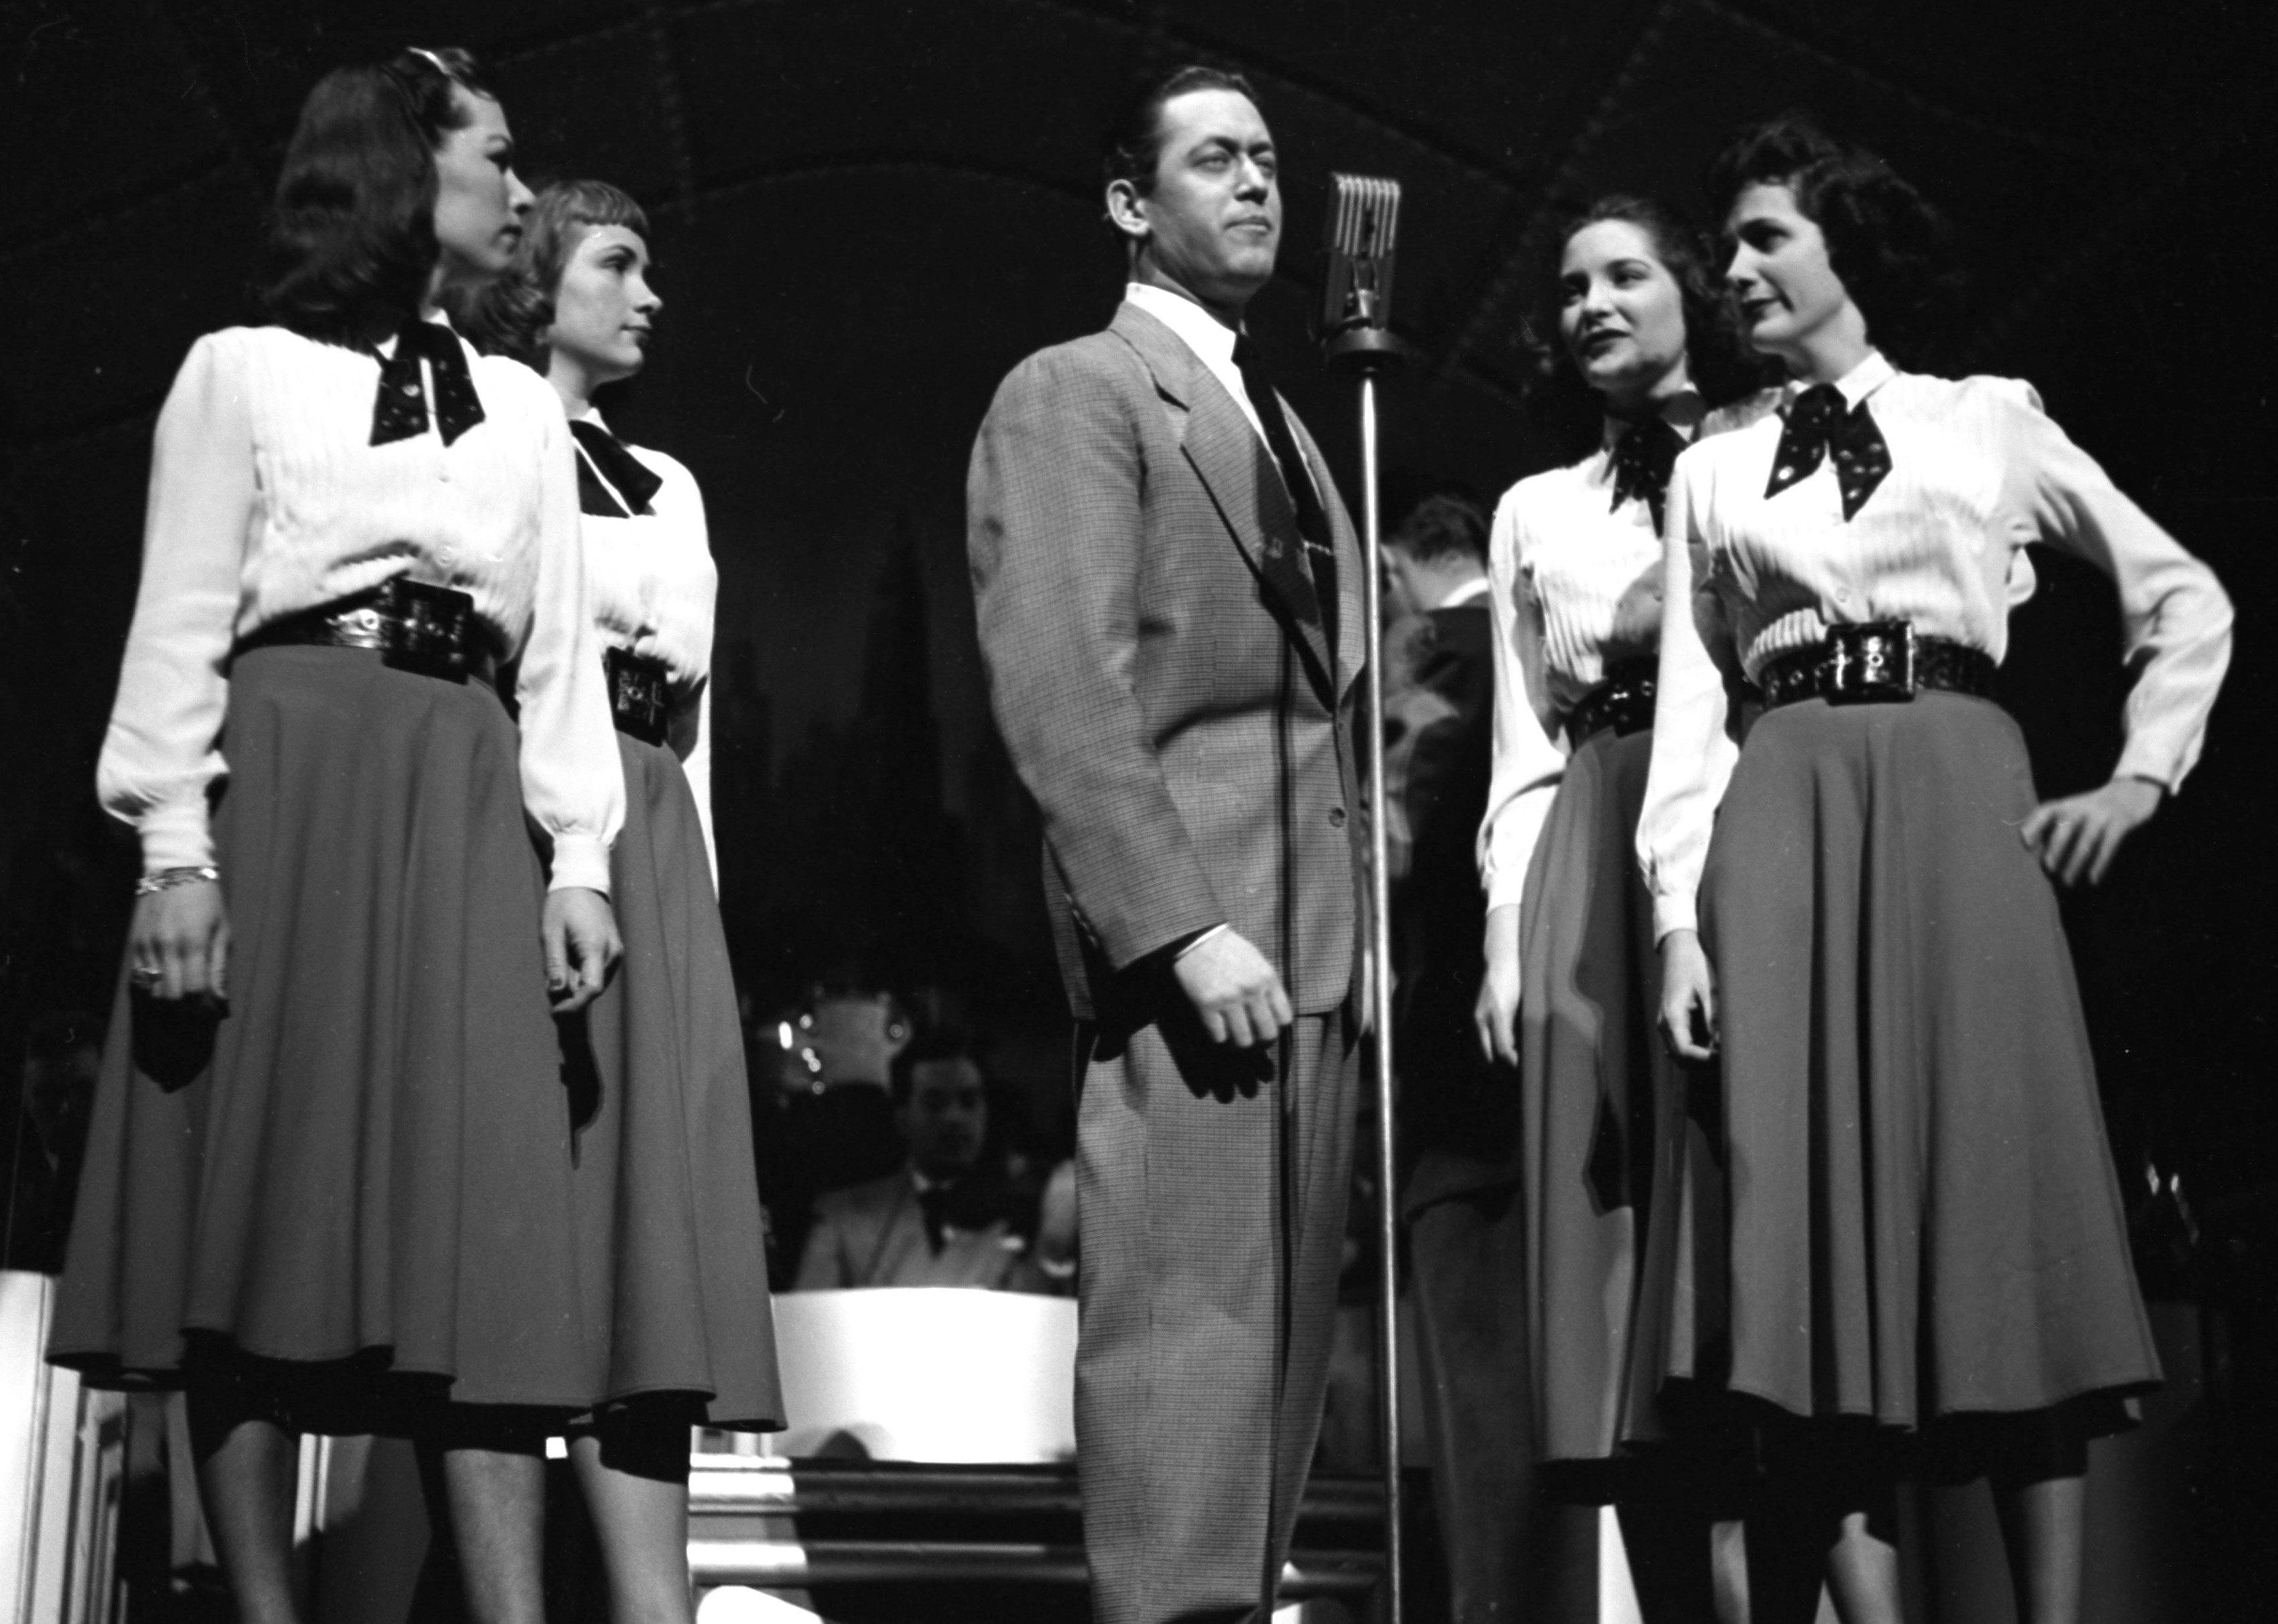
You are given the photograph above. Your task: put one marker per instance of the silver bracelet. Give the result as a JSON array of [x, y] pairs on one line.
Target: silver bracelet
[[167, 878]]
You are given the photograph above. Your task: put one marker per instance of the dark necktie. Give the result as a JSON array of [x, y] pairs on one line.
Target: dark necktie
[[1312, 521], [1817, 426], [400, 410], [933, 1207], [1642, 461], [606, 453]]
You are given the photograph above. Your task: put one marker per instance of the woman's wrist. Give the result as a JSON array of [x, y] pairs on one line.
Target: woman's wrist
[[172, 879]]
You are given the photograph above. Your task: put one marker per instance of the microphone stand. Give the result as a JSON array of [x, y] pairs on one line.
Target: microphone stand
[[1368, 353]]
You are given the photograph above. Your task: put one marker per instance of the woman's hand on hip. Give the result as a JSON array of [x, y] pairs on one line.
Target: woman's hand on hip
[[582, 946], [178, 943], [2076, 837], [1688, 997], [1496, 1013]]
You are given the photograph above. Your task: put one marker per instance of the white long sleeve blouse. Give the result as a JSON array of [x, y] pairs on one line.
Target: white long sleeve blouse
[[267, 498], [1978, 471], [1575, 587], [653, 588]]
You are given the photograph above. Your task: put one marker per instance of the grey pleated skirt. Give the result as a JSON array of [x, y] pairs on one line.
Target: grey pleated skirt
[[670, 1238], [350, 1196], [1926, 1228]]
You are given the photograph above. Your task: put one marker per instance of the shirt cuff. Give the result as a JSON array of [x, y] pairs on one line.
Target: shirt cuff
[[177, 836], [1188, 947], [581, 860], [2143, 759], [1505, 890], [1672, 912]]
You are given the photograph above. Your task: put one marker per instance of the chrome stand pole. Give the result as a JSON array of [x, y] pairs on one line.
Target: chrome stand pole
[[1380, 1002]]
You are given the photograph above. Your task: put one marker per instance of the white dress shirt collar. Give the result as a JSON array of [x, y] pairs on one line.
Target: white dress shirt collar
[[1682, 411], [1471, 591], [1210, 340], [1854, 385], [386, 348]]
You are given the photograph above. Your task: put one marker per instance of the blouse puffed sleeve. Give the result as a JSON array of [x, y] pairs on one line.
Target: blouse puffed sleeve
[[1695, 742], [572, 783], [1528, 763], [162, 756], [2175, 616]]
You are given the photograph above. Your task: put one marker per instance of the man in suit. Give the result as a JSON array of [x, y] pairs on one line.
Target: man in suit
[[1459, 1113], [944, 1219], [1169, 608]]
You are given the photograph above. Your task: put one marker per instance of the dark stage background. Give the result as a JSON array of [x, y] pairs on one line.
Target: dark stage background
[[865, 212]]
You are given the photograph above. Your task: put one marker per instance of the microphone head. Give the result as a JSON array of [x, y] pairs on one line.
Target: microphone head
[[1363, 225]]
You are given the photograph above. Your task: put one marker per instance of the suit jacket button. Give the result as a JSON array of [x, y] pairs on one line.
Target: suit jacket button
[[1336, 817]]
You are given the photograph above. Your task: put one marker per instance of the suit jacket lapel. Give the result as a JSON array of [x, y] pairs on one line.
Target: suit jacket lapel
[[1238, 471]]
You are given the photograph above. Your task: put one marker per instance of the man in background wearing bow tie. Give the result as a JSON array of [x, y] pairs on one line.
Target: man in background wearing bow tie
[[1169, 606], [942, 1219]]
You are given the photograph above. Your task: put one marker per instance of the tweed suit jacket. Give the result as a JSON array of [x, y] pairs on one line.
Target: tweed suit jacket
[[1158, 665]]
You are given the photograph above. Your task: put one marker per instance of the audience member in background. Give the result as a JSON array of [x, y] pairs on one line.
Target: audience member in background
[[947, 1216], [1460, 1114], [47, 1139], [822, 1117]]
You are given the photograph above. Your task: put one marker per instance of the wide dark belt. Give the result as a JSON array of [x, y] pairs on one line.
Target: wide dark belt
[[416, 627], [1623, 702], [640, 695], [1872, 662]]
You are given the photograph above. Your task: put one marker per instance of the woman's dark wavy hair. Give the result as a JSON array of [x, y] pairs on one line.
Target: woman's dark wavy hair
[[351, 233], [1715, 358], [1894, 252], [511, 315]]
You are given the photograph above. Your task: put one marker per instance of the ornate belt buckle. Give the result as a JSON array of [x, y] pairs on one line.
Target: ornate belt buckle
[[640, 696], [1631, 703], [426, 629], [1870, 662]]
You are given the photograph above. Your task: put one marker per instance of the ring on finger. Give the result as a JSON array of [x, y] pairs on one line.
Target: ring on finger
[[147, 975]]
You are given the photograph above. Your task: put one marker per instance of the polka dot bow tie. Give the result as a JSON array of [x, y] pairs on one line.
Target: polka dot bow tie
[[1643, 459], [400, 411], [1816, 426]]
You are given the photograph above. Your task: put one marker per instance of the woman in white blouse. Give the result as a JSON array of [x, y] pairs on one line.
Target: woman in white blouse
[[1929, 1259], [328, 1177], [667, 1204], [1615, 1176]]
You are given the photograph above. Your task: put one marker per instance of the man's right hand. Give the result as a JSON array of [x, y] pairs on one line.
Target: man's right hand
[[1236, 992]]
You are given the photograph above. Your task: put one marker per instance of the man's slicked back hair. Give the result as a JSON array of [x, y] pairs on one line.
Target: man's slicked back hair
[[1132, 148]]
